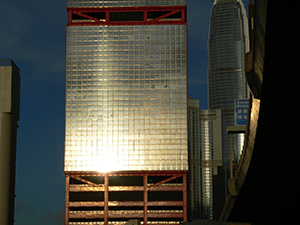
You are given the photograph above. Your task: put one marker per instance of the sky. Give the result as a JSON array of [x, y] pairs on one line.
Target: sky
[[32, 34]]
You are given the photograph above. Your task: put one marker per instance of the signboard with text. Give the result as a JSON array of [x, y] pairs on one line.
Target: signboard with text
[[241, 111]]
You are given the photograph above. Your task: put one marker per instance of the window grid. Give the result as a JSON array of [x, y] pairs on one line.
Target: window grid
[[126, 98]]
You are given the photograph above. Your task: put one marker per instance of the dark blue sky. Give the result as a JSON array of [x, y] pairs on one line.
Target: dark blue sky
[[32, 33]]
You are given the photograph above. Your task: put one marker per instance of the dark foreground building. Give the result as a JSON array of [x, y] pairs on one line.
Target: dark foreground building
[[9, 116], [126, 112]]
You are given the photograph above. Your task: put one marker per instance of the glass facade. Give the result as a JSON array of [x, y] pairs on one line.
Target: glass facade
[[194, 174], [211, 155], [205, 155], [228, 43], [126, 97]]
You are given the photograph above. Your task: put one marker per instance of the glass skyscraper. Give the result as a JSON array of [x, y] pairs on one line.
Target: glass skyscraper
[[228, 43], [126, 97], [205, 155], [126, 108]]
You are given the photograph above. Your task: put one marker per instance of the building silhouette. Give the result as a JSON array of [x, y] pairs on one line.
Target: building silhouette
[[9, 116], [227, 45], [126, 112]]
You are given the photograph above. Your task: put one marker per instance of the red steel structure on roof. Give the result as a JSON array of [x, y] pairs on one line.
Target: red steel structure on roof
[[144, 16]]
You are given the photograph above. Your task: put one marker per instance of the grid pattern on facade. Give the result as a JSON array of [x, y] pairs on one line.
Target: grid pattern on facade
[[126, 112], [205, 155], [194, 174], [206, 149], [126, 98], [228, 43]]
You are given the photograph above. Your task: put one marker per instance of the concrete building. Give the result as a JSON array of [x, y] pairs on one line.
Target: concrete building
[[9, 116], [126, 112], [205, 155], [228, 43]]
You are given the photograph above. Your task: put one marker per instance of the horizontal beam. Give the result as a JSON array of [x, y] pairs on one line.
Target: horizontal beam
[[126, 173], [127, 23], [124, 203], [123, 214], [165, 203], [127, 9], [124, 188], [236, 129]]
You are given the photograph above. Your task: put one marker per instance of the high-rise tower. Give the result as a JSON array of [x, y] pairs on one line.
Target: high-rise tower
[[9, 116], [228, 43], [205, 155], [126, 112]]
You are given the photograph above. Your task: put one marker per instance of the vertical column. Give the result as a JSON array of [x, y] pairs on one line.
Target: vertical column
[[70, 16], [145, 199], [6, 137], [107, 17], [67, 195], [185, 213], [106, 199], [145, 16], [183, 15], [231, 157]]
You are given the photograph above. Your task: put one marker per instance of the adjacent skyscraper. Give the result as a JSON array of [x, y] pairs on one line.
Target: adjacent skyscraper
[[126, 112], [9, 116], [228, 43], [205, 155]]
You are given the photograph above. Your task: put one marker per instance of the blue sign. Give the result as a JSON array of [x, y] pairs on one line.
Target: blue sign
[[241, 111]]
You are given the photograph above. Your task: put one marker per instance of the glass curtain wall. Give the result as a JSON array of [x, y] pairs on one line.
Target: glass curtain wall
[[126, 98], [228, 43]]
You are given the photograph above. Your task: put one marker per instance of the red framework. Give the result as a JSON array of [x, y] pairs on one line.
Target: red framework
[[165, 16], [115, 210]]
